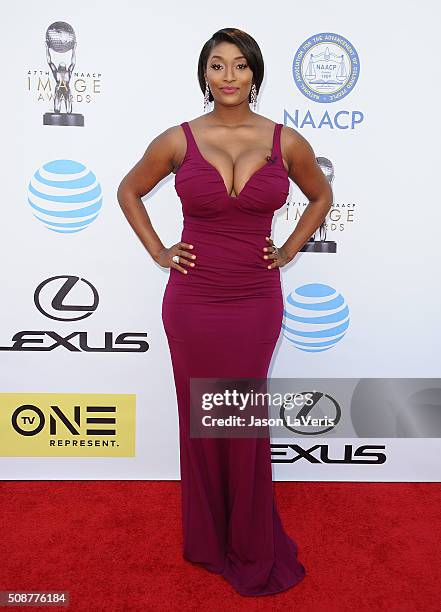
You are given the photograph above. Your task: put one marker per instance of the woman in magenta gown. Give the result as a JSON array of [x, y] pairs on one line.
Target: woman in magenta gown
[[222, 306]]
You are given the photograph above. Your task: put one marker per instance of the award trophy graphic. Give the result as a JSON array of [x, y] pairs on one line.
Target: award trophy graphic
[[322, 245], [60, 38]]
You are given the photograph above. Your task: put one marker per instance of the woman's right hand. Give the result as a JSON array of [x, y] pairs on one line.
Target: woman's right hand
[[164, 257]]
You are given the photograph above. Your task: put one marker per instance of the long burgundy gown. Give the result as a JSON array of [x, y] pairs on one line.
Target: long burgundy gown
[[223, 319]]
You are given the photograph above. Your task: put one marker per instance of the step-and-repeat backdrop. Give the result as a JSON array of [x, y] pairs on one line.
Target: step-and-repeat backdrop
[[87, 390]]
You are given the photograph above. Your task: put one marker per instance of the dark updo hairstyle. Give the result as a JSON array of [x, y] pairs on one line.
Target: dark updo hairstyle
[[246, 44]]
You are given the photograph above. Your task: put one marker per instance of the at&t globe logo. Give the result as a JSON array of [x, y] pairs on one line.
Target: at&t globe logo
[[65, 196], [316, 317]]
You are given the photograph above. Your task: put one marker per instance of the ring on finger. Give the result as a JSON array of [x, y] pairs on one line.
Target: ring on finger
[[175, 258]]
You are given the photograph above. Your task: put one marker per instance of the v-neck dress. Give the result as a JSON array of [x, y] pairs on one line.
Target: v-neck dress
[[222, 320]]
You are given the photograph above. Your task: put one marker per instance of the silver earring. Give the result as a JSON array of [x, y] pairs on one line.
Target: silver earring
[[253, 96], [206, 96]]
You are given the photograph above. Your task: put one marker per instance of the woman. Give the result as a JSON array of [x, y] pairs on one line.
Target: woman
[[223, 305]]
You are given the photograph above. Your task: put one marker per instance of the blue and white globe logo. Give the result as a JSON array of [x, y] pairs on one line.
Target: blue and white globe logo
[[316, 317], [65, 196], [326, 67]]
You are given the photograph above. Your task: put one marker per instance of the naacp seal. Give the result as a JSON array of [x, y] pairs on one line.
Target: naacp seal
[[326, 67]]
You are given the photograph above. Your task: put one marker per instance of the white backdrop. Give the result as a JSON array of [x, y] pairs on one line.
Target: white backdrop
[[135, 75]]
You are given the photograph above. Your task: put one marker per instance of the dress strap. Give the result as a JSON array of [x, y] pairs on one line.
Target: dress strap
[[191, 143], [277, 149]]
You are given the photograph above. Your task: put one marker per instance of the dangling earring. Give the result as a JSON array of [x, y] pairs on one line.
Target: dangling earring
[[206, 96], [253, 96]]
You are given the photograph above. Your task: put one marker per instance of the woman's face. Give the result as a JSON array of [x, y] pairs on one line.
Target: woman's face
[[228, 74]]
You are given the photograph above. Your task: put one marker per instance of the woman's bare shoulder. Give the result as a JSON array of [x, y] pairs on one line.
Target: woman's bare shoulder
[[290, 135], [169, 135], [294, 139], [295, 147], [170, 143]]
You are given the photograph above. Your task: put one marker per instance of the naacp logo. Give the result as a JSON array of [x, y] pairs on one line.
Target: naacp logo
[[326, 67]]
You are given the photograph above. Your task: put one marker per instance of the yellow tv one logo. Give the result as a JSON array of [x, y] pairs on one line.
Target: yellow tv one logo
[[67, 425]]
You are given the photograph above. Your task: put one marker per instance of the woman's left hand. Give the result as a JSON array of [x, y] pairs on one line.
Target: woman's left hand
[[279, 255]]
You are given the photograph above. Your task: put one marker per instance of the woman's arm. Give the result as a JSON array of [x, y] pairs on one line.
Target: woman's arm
[[157, 162], [304, 170]]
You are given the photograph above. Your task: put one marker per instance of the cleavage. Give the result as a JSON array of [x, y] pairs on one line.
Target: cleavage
[[233, 172]]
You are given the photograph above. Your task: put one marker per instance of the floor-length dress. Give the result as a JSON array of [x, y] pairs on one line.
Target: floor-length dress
[[223, 319]]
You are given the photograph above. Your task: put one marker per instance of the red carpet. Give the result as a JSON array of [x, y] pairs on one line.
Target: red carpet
[[116, 546]]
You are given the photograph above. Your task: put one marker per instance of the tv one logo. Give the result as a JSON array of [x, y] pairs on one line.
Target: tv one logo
[[30, 420], [68, 424]]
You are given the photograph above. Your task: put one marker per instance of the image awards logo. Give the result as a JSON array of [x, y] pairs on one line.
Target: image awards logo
[[61, 39]]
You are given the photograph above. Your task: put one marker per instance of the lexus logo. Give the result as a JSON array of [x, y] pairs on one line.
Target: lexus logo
[[318, 402], [61, 300], [365, 454], [69, 298]]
